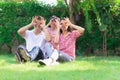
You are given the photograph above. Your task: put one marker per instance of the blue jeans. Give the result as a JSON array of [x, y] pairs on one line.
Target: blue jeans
[[63, 57], [34, 54]]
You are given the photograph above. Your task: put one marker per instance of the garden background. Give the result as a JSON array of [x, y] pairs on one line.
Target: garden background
[[98, 49]]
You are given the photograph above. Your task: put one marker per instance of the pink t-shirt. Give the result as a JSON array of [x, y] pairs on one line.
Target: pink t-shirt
[[53, 34], [67, 43]]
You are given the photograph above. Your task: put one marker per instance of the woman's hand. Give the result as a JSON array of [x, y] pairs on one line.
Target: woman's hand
[[68, 22], [57, 23]]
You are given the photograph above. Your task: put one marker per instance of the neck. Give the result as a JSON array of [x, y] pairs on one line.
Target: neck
[[64, 32], [37, 31], [53, 28]]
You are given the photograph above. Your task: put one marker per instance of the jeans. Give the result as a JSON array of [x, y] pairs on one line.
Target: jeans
[[62, 57], [34, 54], [51, 52]]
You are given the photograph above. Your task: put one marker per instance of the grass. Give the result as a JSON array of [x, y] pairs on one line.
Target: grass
[[84, 68]]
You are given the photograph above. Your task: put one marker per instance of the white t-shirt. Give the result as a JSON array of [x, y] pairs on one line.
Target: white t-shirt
[[33, 40]]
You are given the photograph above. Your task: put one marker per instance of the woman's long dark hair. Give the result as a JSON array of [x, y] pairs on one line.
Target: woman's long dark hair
[[69, 29]]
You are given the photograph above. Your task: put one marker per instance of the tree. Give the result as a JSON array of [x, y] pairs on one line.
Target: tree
[[99, 10]]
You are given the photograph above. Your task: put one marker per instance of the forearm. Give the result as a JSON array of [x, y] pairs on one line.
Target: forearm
[[79, 28], [56, 40], [22, 30], [48, 37]]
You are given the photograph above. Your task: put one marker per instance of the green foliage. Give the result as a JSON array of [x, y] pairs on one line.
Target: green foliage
[[100, 16], [15, 15]]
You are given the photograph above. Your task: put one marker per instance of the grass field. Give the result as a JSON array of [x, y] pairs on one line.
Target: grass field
[[84, 68]]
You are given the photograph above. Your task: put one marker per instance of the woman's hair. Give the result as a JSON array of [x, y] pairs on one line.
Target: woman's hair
[[54, 17], [69, 29]]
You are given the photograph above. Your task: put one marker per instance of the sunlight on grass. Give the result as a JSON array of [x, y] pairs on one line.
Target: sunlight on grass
[[84, 68]]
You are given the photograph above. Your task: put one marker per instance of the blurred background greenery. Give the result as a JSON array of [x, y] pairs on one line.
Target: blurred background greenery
[[100, 18]]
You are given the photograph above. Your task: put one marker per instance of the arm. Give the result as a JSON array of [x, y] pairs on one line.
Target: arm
[[48, 37], [56, 40], [22, 30], [48, 24], [79, 28]]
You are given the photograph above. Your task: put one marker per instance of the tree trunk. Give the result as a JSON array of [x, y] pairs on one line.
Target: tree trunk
[[10, 48], [105, 43], [71, 13]]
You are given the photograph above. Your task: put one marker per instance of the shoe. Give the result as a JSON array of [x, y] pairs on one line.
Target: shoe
[[46, 62], [55, 63], [23, 54], [18, 58]]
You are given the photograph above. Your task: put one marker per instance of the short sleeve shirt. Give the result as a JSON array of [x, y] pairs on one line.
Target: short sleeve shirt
[[33, 40], [53, 34], [67, 43]]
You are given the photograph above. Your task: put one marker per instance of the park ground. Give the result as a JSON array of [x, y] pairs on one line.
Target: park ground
[[83, 68]]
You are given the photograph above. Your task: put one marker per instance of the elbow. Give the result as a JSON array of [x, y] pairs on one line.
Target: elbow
[[19, 32], [48, 39], [82, 31], [56, 42]]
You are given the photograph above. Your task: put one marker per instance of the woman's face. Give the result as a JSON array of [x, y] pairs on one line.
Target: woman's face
[[63, 25], [53, 21]]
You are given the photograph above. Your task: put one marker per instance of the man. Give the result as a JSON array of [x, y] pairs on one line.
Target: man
[[35, 40]]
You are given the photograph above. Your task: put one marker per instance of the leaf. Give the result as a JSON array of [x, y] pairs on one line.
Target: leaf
[[103, 27]]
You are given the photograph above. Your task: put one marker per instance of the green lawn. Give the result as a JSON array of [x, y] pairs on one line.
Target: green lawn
[[84, 68]]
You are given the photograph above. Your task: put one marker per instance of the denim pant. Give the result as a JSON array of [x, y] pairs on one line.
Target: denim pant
[[34, 54], [63, 57]]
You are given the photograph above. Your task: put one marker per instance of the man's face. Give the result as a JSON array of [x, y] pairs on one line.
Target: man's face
[[39, 23]]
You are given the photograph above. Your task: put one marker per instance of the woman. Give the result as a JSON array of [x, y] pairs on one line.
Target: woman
[[67, 40], [52, 46]]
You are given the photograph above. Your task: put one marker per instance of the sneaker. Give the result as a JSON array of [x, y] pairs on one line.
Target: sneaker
[[46, 62], [55, 63], [23, 54], [18, 58]]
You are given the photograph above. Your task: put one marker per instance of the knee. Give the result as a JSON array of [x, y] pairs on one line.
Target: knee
[[47, 44]]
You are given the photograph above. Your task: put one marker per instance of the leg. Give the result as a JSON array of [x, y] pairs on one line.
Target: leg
[[18, 56], [36, 54], [23, 53], [49, 49], [64, 57], [51, 60]]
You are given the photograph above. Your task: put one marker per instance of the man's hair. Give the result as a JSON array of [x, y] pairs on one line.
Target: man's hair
[[39, 18]]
